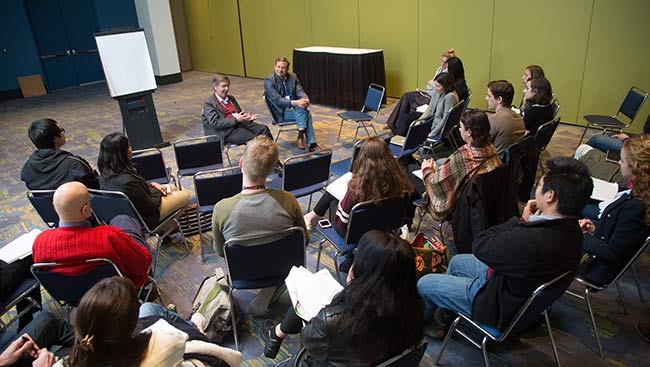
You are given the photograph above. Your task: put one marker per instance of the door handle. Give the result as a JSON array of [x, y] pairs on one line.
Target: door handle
[[67, 52], [74, 52]]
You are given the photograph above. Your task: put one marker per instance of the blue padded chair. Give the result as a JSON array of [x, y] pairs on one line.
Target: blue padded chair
[[197, 154], [415, 137], [108, 204], [539, 302], [629, 108], [410, 357], [373, 100], [590, 287], [386, 214], [150, 164], [248, 265], [211, 187], [344, 166], [284, 124], [304, 174], [68, 290], [42, 201], [450, 122], [21, 293]]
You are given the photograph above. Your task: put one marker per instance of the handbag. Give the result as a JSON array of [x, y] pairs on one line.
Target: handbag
[[430, 255]]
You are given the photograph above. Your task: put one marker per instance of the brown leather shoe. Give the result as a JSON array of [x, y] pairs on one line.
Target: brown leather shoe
[[314, 147], [301, 142]]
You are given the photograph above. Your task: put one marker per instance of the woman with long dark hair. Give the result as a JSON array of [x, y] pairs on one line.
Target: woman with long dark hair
[[537, 108], [152, 200], [376, 174], [376, 316], [457, 70], [443, 98]]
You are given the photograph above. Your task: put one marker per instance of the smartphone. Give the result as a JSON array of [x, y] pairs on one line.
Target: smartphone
[[613, 156], [324, 223]]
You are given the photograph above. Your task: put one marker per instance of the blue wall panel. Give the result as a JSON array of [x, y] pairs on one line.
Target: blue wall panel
[[115, 14]]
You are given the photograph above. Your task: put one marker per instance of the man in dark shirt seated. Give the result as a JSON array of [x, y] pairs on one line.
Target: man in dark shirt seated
[[49, 166], [512, 259], [222, 116]]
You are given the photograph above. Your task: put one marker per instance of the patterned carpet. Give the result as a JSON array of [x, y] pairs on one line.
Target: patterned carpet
[[87, 113]]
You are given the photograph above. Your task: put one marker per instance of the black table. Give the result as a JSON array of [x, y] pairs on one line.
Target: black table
[[337, 76]]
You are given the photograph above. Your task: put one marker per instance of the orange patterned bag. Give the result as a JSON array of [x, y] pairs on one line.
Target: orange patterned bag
[[430, 255]]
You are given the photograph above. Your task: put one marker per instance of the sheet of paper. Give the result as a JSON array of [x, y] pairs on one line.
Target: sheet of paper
[[339, 187], [310, 292], [398, 140], [603, 190], [19, 248], [418, 174], [422, 108]]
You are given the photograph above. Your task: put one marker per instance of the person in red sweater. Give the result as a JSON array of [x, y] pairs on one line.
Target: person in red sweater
[[76, 241]]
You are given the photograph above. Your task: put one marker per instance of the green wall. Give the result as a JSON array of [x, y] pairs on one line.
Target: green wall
[[592, 50]]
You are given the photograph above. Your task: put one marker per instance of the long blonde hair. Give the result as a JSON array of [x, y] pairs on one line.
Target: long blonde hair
[[638, 156]]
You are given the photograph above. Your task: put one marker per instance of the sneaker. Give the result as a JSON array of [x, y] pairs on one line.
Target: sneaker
[[272, 343]]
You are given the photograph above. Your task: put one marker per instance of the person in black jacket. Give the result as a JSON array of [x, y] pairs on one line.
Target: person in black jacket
[[375, 317], [624, 222], [48, 167], [152, 200], [511, 260], [537, 108], [222, 116]]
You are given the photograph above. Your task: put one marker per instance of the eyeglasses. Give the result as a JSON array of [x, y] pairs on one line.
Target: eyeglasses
[[62, 130]]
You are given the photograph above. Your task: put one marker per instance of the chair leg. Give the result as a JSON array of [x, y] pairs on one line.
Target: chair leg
[[277, 136], [309, 205], [550, 335], [638, 286], [154, 266], [452, 329], [180, 230], [338, 138], [232, 319], [198, 217], [620, 294], [320, 249], [228, 157], [583, 135], [593, 324], [373, 128], [486, 358]]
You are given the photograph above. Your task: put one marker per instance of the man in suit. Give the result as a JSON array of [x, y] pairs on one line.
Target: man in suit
[[288, 101], [222, 116]]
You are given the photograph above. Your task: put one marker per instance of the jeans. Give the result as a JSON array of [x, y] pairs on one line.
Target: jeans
[[154, 309], [303, 120], [456, 289], [605, 143]]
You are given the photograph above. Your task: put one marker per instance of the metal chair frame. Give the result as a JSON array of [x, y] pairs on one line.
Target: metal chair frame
[[258, 283], [284, 125], [211, 145], [374, 98], [213, 180], [617, 124], [163, 174], [155, 232], [590, 288], [14, 302], [499, 338]]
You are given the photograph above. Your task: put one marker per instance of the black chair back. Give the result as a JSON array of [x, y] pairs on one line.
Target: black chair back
[[196, 153], [410, 357], [213, 186], [632, 102], [416, 135], [523, 158], [306, 170], [150, 165], [249, 267], [109, 204], [385, 214], [42, 201], [480, 206], [467, 100], [453, 119], [545, 133], [69, 289]]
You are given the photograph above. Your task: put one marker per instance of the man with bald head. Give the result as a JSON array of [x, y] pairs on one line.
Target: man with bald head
[[76, 241]]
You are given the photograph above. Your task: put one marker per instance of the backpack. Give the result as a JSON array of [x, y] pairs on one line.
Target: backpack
[[212, 301]]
